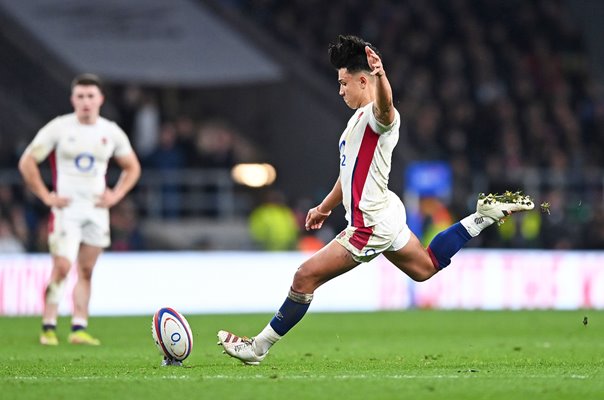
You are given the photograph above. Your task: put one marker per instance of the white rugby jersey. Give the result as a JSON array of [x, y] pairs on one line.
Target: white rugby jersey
[[79, 154], [365, 160]]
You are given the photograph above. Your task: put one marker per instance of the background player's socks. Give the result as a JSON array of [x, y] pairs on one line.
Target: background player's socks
[[49, 327], [78, 324], [446, 244]]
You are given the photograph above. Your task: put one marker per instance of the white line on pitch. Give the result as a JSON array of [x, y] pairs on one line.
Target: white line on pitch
[[282, 377]]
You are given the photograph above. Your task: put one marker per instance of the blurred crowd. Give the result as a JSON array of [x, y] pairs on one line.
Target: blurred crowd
[[501, 90], [496, 88], [166, 140]]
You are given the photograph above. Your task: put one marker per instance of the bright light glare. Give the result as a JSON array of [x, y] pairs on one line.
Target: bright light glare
[[254, 175]]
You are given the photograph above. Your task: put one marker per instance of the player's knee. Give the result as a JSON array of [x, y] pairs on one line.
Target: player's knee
[[424, 272], [54, 292], [61, 269], [420, 277], [304, 281], [61, 274], [85, 271]]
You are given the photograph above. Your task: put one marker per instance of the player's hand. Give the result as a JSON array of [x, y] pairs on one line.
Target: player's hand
[[108, 199], [374, 61], [315, 218], [54, 200]]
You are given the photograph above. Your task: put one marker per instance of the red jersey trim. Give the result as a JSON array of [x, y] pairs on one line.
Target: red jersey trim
[[360, 173], [52, 159], [360, 237]]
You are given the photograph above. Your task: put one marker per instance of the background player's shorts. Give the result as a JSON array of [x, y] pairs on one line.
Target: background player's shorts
[[70, 226], [366, 243]]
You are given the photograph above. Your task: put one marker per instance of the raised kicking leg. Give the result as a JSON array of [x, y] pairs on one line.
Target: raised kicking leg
[[421, 264]]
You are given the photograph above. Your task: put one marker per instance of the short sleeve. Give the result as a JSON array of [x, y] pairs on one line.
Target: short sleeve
[[44, 142], [380, 128], [122, 143]]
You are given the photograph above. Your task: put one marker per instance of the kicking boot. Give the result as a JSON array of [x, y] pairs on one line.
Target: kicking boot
[[241, 348], [499, 206]]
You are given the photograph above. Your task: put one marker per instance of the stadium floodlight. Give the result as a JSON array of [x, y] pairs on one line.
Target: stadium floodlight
[[254, 175]]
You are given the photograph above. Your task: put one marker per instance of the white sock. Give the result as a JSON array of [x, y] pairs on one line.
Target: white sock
[[475, 223], [265, 339], [79, 321]]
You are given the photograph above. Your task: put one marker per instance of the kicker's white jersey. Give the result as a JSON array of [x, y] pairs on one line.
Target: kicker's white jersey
[[79, 154], [365, 160]]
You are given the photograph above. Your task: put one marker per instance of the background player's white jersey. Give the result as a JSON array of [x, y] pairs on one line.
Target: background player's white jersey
[[365, 159], [79, 154]]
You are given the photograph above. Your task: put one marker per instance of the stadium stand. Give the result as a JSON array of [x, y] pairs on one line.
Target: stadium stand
[[503, 91]]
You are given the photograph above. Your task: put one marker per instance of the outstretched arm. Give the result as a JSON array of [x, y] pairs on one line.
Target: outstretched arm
[[383, 109], [317, 215]]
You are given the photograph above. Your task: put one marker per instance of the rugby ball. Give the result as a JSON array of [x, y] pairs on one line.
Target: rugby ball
[[172, 334]]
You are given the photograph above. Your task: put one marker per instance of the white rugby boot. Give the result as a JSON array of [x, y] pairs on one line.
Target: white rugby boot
[[499, 206], [241, 348]]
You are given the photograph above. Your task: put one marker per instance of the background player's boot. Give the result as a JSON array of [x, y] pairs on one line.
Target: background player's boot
[[241, 348], [83, 337], [499, 206], [49, 338]]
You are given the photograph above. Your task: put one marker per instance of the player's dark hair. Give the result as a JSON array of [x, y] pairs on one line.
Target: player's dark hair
[[87, 80], [349, 52]]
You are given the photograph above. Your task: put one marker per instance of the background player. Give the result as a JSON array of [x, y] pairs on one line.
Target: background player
[[376, 216], [79, 146]]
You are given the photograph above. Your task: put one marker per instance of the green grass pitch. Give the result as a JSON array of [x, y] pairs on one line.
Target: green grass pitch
[[387, 355]]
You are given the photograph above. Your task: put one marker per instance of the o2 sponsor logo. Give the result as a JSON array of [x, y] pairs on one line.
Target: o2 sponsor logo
[[84, 162], [175, 338]]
